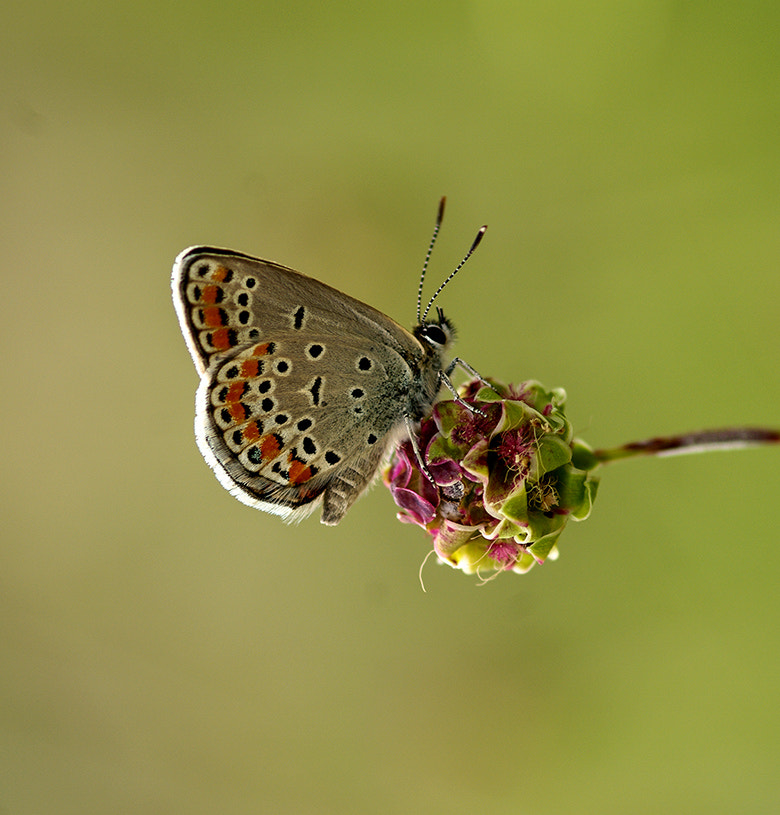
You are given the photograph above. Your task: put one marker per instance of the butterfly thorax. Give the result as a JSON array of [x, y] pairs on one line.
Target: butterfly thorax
[[435, 339]]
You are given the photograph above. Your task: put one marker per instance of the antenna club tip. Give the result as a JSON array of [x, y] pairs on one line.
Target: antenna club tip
[[479, 237]]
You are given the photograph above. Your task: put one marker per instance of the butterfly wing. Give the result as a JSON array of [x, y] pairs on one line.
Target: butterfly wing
[[303, 388]]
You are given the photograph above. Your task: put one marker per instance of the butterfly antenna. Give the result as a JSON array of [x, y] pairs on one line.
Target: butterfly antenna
[[439, 218], [454, 272]]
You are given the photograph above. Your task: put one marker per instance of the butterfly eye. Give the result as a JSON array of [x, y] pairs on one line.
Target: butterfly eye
[[434, 334]]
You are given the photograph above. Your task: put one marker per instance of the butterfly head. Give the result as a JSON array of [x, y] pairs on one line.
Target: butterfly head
[[437, 334]]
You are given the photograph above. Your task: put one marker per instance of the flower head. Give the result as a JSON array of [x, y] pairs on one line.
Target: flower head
[[507, 473]]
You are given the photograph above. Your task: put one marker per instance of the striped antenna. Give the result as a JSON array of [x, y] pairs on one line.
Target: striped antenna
[[439, 218], [453, 273]]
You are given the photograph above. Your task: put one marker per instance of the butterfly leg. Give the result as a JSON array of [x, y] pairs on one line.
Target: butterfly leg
[[412, 430], [457, 362], [454, 491], [444, 378]]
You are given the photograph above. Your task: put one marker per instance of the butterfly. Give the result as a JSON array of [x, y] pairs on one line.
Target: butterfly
[[303, 390]]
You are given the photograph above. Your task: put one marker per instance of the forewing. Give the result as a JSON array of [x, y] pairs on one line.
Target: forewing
[[223, 298]]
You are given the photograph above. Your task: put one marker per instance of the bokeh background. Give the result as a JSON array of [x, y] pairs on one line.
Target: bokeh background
[[164, 648]]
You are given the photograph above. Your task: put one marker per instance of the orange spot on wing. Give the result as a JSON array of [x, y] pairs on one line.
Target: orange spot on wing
[[299, 472], [269, 447], [260, 350], [219, 274], [237, 411], [250, 368], [209, 294], [212, 317], [235, 392], [251, 432], [220, 339]]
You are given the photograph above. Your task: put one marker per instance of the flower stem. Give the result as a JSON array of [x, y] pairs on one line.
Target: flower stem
[[729, 438]]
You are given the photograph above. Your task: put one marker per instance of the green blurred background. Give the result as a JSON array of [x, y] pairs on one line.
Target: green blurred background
[[164, 648]]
